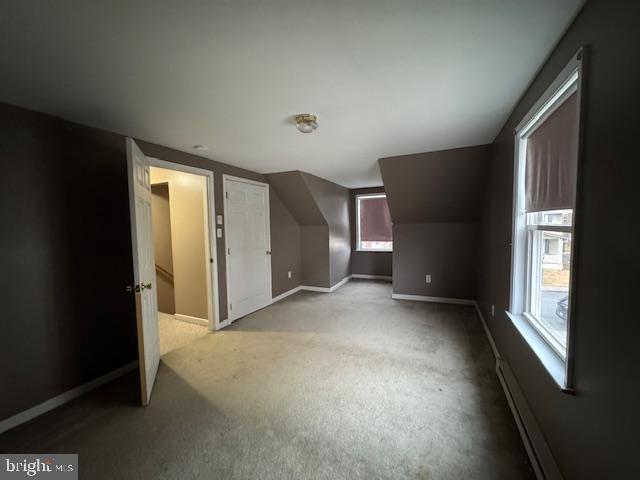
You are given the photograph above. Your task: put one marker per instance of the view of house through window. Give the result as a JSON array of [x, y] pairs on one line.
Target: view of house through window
[[550, 234], [374, 228]]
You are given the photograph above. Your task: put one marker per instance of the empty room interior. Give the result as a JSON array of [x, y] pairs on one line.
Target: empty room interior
[[308, 240]]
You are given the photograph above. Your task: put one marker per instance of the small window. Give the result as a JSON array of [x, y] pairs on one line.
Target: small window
[[543, 217], [374, 228]]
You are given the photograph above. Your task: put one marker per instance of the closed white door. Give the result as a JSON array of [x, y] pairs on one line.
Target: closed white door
[[248, 240], [144, 272]]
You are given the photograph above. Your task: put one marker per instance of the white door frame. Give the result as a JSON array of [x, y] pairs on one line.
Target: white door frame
[[226, 177], [213, 304]]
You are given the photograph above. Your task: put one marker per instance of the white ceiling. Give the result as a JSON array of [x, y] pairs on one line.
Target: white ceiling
[[384, 77]]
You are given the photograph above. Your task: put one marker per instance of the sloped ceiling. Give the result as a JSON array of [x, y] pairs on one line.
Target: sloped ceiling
[[294, 192], [384, 77], [444, 186], [332, 199]]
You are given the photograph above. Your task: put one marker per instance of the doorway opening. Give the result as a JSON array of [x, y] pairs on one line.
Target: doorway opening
[[183, 253]]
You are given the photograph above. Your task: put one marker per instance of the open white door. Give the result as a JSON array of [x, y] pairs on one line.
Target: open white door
[[143, 267], [248, 240]]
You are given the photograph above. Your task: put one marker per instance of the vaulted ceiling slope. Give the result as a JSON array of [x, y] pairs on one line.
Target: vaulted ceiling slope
[[436, 187], [295, 193], [310, 199], [385, 78]]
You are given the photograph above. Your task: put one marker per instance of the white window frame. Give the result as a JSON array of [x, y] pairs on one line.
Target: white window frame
[[535, 254], [358, 248], [555, 359]]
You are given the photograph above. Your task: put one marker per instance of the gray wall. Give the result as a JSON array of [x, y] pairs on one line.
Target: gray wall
[[366, 263], [446, 251], [315, 255], [314, 232], [285, 247], [65, 252], [68, 249], [322, 210], [333, 201], [594, 434], [436, 201]]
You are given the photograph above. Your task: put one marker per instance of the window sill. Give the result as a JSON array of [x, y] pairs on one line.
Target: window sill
[[552, 363], [372, 250]]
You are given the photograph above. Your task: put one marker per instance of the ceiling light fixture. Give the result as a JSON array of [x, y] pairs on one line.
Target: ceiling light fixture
[[306, 122], [202, 148]]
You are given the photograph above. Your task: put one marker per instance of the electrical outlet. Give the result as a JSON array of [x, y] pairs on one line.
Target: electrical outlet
[[219, 219], [219, 232], [493, 310], [428, 278], [289, 274]]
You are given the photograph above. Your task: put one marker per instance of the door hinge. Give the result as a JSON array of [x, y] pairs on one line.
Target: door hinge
[[226, 194], [231, 306], [228, 251]]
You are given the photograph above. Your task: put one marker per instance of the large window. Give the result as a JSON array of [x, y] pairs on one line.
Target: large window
[[544, 202], [374, 228]]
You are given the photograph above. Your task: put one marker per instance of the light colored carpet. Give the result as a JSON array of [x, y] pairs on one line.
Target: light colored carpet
[[347, 385], [176, 333]]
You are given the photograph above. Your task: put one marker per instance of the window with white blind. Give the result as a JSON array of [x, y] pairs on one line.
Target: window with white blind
[[543, 218], [373, 228]]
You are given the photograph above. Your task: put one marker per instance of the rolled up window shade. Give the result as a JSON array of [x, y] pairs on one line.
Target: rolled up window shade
[[375, 220], [551, 163]]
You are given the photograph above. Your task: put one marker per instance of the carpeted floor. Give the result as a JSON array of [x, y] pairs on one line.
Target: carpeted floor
[[176, 333], [347, 385]]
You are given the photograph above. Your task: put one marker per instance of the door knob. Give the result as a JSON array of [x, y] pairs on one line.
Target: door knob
[[145, 286], [268, 252]]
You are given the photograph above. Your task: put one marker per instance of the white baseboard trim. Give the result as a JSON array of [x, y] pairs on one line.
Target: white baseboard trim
[[496, 353], [285, 294], [371, 277], [187, 318], [59, 400], [340, 283], [225, 323], [311, 288], [423, 298]]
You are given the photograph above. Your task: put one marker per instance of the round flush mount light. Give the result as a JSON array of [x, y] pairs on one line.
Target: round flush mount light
[[200, 148], [306, 122]]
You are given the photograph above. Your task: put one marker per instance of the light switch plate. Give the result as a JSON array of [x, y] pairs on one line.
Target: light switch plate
[[428, 278], [289, 274], [219, 219], [219, 232]]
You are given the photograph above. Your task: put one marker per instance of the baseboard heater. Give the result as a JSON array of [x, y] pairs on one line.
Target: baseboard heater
[[542, 461]]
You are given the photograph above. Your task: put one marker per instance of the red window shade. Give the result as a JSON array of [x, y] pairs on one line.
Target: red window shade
[[375, 220], [550, 172]]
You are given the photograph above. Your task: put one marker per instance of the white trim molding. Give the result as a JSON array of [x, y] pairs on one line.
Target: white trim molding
[[423, 298], [211, 257], [284, 295], [371, 277], [311, 288], [340, 283], [59, 400], [189, 319], [494, 348]]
